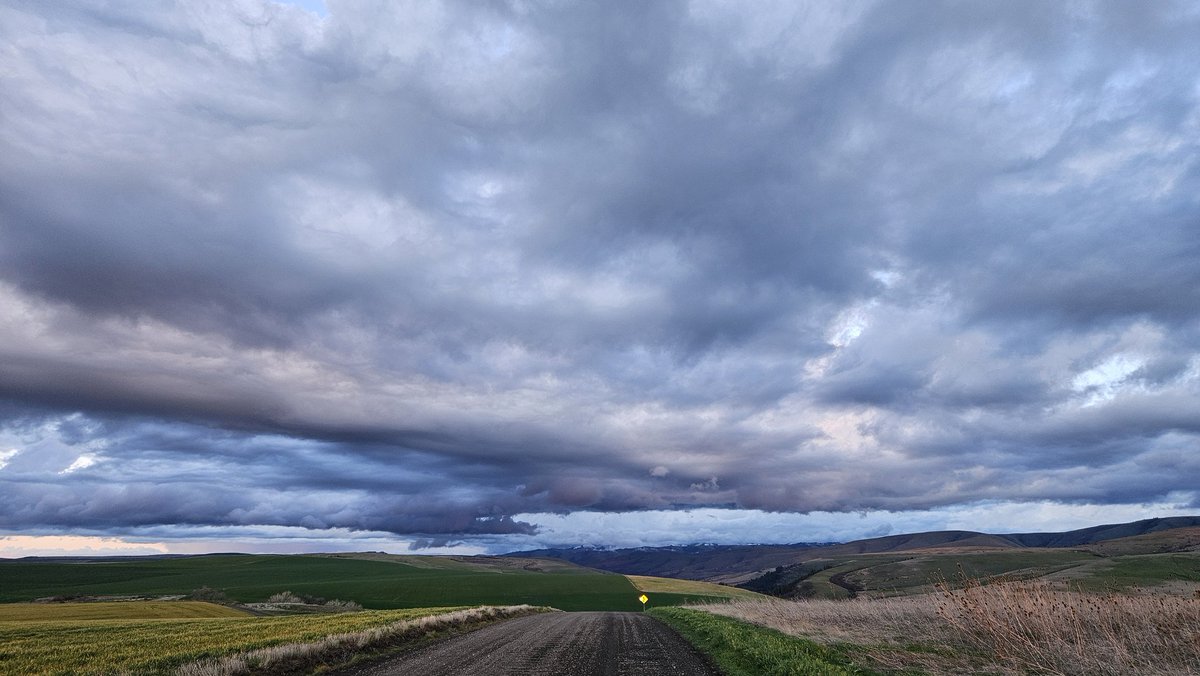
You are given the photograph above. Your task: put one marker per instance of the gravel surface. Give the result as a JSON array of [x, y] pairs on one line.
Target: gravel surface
[[582, 644]]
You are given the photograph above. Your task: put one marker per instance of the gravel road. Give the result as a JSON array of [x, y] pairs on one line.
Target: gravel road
[[580, 644]]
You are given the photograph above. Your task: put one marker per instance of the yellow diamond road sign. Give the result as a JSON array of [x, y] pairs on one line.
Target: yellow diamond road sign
[[643, 598]]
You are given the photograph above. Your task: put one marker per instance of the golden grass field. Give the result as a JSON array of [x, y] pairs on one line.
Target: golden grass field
[[54, 644], [113, 610], [666, 585]]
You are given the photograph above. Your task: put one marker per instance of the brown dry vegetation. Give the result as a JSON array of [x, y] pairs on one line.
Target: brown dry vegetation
[[1037, 628], [1011, 627]]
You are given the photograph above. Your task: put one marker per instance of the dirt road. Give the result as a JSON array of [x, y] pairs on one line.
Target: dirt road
[[580, 644]]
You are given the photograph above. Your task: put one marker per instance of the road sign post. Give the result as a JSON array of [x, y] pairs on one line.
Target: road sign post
[[643, 598]]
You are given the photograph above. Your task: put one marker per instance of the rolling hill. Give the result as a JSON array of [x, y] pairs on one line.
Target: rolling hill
[[1094, 534], [738, 564], [691, 562], [1185, 539]]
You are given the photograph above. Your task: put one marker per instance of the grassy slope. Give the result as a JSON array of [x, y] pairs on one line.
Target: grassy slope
[[1143, 570], [916, 571], [374, 584], [692, 589], [742, 649], [1083, 569], [115, 610], [1174, 540], [814, 579], [111, 646]]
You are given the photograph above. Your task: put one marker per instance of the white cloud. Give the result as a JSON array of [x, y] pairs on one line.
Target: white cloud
[[82, 462], [1102, 382]]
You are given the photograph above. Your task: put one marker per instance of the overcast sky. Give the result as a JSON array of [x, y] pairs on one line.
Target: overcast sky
[[478, 276]]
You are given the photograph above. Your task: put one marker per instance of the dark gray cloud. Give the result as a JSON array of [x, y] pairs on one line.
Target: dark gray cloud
[[424, 269]]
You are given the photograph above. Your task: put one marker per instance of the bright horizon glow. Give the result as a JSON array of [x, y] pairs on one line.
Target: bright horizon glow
[[15, 546]]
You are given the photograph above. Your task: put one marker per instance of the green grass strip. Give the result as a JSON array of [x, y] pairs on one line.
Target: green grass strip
[[742, 649]]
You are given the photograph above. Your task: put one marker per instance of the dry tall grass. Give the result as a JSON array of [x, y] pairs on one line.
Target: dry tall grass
[[1034, 627], [342, 648], [1016, 627]]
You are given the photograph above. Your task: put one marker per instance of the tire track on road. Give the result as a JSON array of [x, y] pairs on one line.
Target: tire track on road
[[548, 644]]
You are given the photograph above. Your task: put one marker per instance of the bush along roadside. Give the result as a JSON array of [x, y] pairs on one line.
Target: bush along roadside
[[351, 649], [742, 649]]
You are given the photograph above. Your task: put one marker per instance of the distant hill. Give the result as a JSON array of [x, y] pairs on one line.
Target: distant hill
[[1087, 536], [737, 563], [1186, 539], [962, 538], [690, 562], [913, 541]]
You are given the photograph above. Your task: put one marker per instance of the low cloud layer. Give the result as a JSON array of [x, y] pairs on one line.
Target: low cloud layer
[[419, 270]]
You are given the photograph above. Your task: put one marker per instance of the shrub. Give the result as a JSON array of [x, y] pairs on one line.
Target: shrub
[[284, 597], [211, 595]]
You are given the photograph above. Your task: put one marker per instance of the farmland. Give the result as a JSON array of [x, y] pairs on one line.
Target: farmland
[[153, 636], [108, 646], [376, 584], [376, 581], [113, 610]]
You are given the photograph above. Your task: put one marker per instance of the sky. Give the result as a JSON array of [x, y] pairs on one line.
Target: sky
[[485, 276]]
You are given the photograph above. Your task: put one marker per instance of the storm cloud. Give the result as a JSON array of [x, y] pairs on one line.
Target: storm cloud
[[427, 269]]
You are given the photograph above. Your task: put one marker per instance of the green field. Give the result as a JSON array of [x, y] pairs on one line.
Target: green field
[[117, 646], [377, 584], [1144, 570], [743, 649]]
